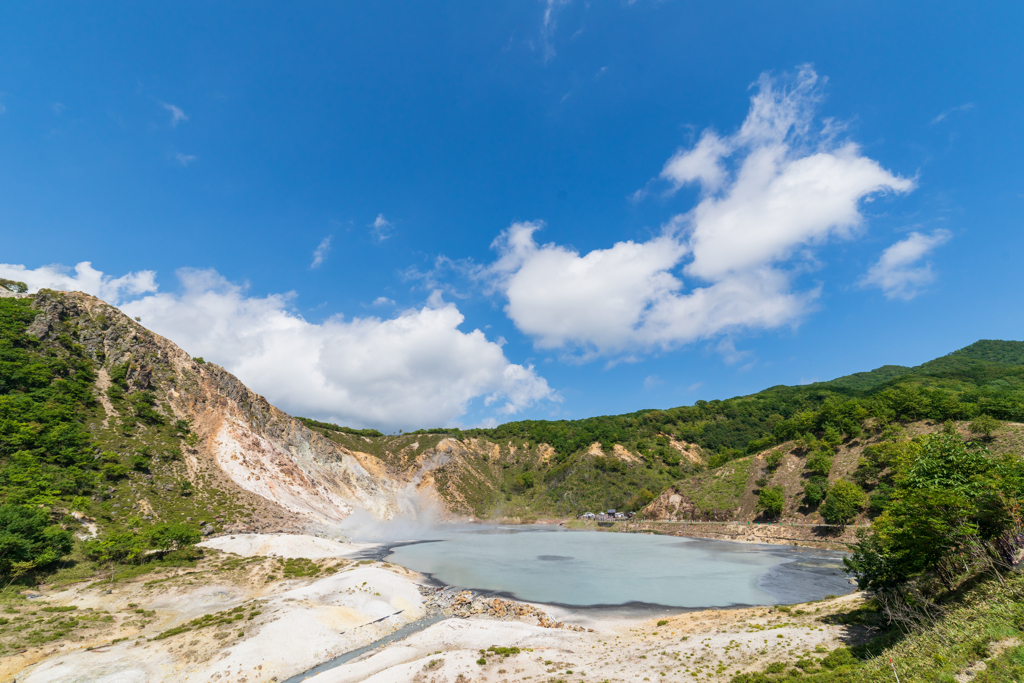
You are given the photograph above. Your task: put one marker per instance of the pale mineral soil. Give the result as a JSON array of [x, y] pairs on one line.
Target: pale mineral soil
[[261, 626], [707, 645]]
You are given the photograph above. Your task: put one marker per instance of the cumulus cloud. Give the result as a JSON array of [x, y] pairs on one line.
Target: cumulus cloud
[[413, 370], [177, 115], [899, 272], [84, 278], [381, 228], [771, 191], [320, 253]]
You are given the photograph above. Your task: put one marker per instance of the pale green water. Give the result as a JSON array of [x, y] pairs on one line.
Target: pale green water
[[594, 568]]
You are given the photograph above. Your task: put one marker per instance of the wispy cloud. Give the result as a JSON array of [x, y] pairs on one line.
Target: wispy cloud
[[383, 301], [58, 108], [320, 253], [899, 273], [185, 159], [652, 381], [381, 228], [953, 110], [177, 115], [548, 26]]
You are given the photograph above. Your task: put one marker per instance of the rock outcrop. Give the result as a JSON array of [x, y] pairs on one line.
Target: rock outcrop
[[305, 478]]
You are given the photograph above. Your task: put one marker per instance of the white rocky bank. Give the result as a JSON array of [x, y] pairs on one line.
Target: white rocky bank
[[302, 623]]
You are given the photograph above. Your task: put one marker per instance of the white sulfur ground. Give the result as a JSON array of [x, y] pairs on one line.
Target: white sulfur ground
[[286, 545], [305, 622]]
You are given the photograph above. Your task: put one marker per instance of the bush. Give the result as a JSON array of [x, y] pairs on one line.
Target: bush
[[820, 463], [641, 500], [773, 460], [984, 425], [842, 503], [771, 501], [814, 491], [28, 540]]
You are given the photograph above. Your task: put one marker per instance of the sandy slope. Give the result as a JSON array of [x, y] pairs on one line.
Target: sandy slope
[[285, 545]]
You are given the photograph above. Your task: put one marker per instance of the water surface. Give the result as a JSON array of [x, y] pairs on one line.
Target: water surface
[[587, 568]]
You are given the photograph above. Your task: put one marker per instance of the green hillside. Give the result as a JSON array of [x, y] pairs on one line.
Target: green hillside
[[985, 377]]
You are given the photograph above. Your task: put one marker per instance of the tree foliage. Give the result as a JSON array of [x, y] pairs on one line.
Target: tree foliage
[[28, 539], [771, 501], [955, 508]]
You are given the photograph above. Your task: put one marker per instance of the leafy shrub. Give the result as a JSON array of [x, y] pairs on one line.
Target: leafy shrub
[[820, 463], [984, 425], [771, 501], [28, 540], [842, 503], [641, 500], [815, 489]]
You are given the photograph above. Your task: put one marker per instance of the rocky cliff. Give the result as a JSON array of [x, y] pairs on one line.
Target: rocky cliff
[[238, 442]]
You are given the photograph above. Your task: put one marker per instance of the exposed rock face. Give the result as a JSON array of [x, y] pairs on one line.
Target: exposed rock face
[[260, 449]]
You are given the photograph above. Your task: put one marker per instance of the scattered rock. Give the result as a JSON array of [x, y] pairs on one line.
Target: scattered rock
[[453, 602]]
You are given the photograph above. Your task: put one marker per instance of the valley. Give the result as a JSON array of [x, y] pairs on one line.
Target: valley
[[164, 522]]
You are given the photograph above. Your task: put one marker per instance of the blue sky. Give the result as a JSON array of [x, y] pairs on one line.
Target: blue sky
[[522, 210]]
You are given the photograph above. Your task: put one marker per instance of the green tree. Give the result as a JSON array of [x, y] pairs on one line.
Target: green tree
[[842, 502], [13, 285], [984, 425], [771, 501], [172, 536], [815, 489], [28, 540], [641, 500], [820, 463]]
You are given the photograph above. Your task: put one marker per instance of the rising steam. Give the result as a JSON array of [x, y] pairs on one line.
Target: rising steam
[[417, 511]]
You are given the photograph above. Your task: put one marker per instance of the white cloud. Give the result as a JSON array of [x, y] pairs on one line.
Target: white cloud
[[320, 253], [548, 26], [413, 370], [185, 159], [85, 278], [177, 115], [770, 192], [383, 301], [899, 273], [652, 381], [381, 228], [952, 110], [703, 163]]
